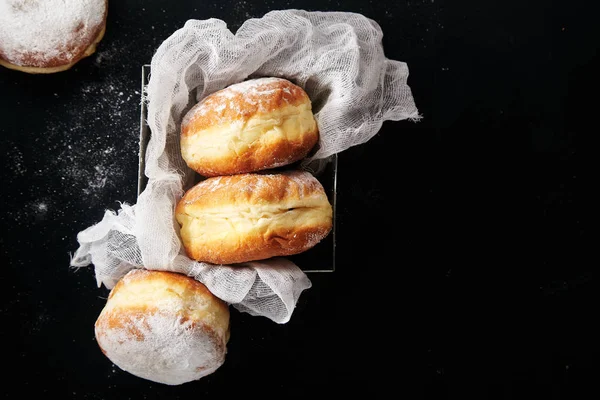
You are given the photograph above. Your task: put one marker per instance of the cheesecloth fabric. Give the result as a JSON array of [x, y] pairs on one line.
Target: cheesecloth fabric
[[337, 57]]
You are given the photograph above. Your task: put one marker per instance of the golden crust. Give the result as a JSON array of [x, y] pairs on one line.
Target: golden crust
[[240, 218], [81, 45], [251, 126], [169, 283], [238, 101]]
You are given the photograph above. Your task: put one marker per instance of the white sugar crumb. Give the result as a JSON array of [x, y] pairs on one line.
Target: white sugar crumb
[[241, 10], [99, 179], [39, 209], [276, 163], [313, 238], [14, 160], [47, 29]]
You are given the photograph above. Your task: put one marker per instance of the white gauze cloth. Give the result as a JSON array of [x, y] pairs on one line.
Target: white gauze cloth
[[337, 57]]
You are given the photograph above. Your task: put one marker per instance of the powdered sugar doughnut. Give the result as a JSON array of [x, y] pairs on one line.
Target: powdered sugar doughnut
[[246, 217], [250, 126], [46, 36], [164, 327]]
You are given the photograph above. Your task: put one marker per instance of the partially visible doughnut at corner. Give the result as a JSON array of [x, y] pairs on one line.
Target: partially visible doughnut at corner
[[164, 327], [47, 36], [250, 126], [246, 217]]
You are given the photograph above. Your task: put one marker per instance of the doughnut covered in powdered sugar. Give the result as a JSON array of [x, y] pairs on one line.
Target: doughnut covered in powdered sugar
[[245, 217], [164, 327], [45, 36], [250, 126]]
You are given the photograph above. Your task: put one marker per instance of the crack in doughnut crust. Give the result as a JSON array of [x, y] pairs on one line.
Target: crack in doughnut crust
[[239, 218], [48, 36], [164, 327], [247, 127]]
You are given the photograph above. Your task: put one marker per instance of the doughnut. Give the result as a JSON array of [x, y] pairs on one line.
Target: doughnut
[[250, 126], [47, 36], [238, 218], [164, 327]]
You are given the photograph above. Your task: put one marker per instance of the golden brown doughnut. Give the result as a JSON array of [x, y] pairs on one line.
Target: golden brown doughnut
[[164, 327], [42, 37], [247, 127], [239, 218]]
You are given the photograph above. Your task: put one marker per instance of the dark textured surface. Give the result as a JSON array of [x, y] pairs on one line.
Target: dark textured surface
[[466, 262]]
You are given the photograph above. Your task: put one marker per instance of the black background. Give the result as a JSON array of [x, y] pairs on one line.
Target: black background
[[466, 244]]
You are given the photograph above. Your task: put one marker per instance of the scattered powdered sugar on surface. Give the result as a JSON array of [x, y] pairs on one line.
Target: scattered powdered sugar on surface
[[71, 151], [81, 158], [92, 162], [41, 207], [17, 163], [242, 10], [47, 29], [162, 347]]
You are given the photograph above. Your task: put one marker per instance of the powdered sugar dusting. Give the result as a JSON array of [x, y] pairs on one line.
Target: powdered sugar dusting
[[312, 238], [255, 92], [40, 31], [161, 347], [244, 99], [260, 184], [212, 184], [304, 179], [259, 85]]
